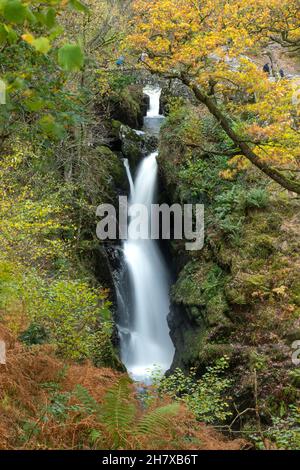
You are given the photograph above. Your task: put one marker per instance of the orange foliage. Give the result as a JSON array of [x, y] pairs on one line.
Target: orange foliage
[[213, 42], [23, 396]]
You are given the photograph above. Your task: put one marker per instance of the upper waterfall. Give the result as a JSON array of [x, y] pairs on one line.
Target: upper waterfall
[[154, 95]]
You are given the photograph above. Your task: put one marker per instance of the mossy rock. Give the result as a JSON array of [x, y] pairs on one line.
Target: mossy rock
[[128, 106], [127, 133], [216, 309], [234, 295], [131, 151], [132, 145], [115, 128], [114, 167], [210, 352], [263, 246], [260, 281], [194, 314], [295, 290]]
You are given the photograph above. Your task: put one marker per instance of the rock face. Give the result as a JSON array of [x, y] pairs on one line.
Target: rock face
[[115, 168], [135, 144], [146, 104], [239, 295], [122, 115], [174, 89], [129, 106]]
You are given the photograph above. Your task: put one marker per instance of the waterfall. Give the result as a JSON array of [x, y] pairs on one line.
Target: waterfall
[[128, 173], [154, 95], [145, 339]]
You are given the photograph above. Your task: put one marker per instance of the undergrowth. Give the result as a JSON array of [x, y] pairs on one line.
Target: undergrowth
[[45, 404]]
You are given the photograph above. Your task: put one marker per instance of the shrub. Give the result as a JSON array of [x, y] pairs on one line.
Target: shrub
[[71, 311], [35, 334], [284, 431], [205, 397]]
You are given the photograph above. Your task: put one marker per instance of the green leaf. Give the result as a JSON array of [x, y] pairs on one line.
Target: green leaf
[[34, 105], [14, 11], [55, 32], [78, 6], [3, 34], [51, 128], [11, 34], [70, 57], [50, 17], [41, 45], [30, 16], [2, 4]]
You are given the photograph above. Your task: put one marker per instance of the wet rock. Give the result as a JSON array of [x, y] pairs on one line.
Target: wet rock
[[150, 143], [146, 104], [132, 145], [135, 144]]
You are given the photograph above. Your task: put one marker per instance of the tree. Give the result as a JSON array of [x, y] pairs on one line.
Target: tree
[[35, 57], [280, 22], [208, 46]]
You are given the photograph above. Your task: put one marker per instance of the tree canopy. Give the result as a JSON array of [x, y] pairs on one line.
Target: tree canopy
[[209, 46]]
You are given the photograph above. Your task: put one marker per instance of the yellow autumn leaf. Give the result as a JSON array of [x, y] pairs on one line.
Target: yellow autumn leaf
[[28, 38]]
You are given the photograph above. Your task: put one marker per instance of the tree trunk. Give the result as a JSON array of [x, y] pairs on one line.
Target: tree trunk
[[276, 175]]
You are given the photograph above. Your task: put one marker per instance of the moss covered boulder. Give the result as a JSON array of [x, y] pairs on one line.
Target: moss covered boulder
[[136, 144], [129, 106]]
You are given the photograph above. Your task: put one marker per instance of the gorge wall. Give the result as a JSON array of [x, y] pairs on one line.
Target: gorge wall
[[239, 295]]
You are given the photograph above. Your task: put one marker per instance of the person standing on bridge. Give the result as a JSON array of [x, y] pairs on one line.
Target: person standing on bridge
[[120, 61]]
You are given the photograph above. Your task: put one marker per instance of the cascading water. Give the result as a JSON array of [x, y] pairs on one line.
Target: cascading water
[[154, 96], [128, 173], [153, 120], [145, 339]]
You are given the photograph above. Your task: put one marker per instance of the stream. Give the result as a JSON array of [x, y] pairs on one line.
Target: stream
[[143, 329]]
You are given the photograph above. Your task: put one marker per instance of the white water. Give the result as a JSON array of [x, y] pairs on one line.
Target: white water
[[148, 344], [128, 173], [154, 95]]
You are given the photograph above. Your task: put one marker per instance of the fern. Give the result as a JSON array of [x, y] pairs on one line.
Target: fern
[[157, 420], [117, 412], [94, 437], [91, 406]]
